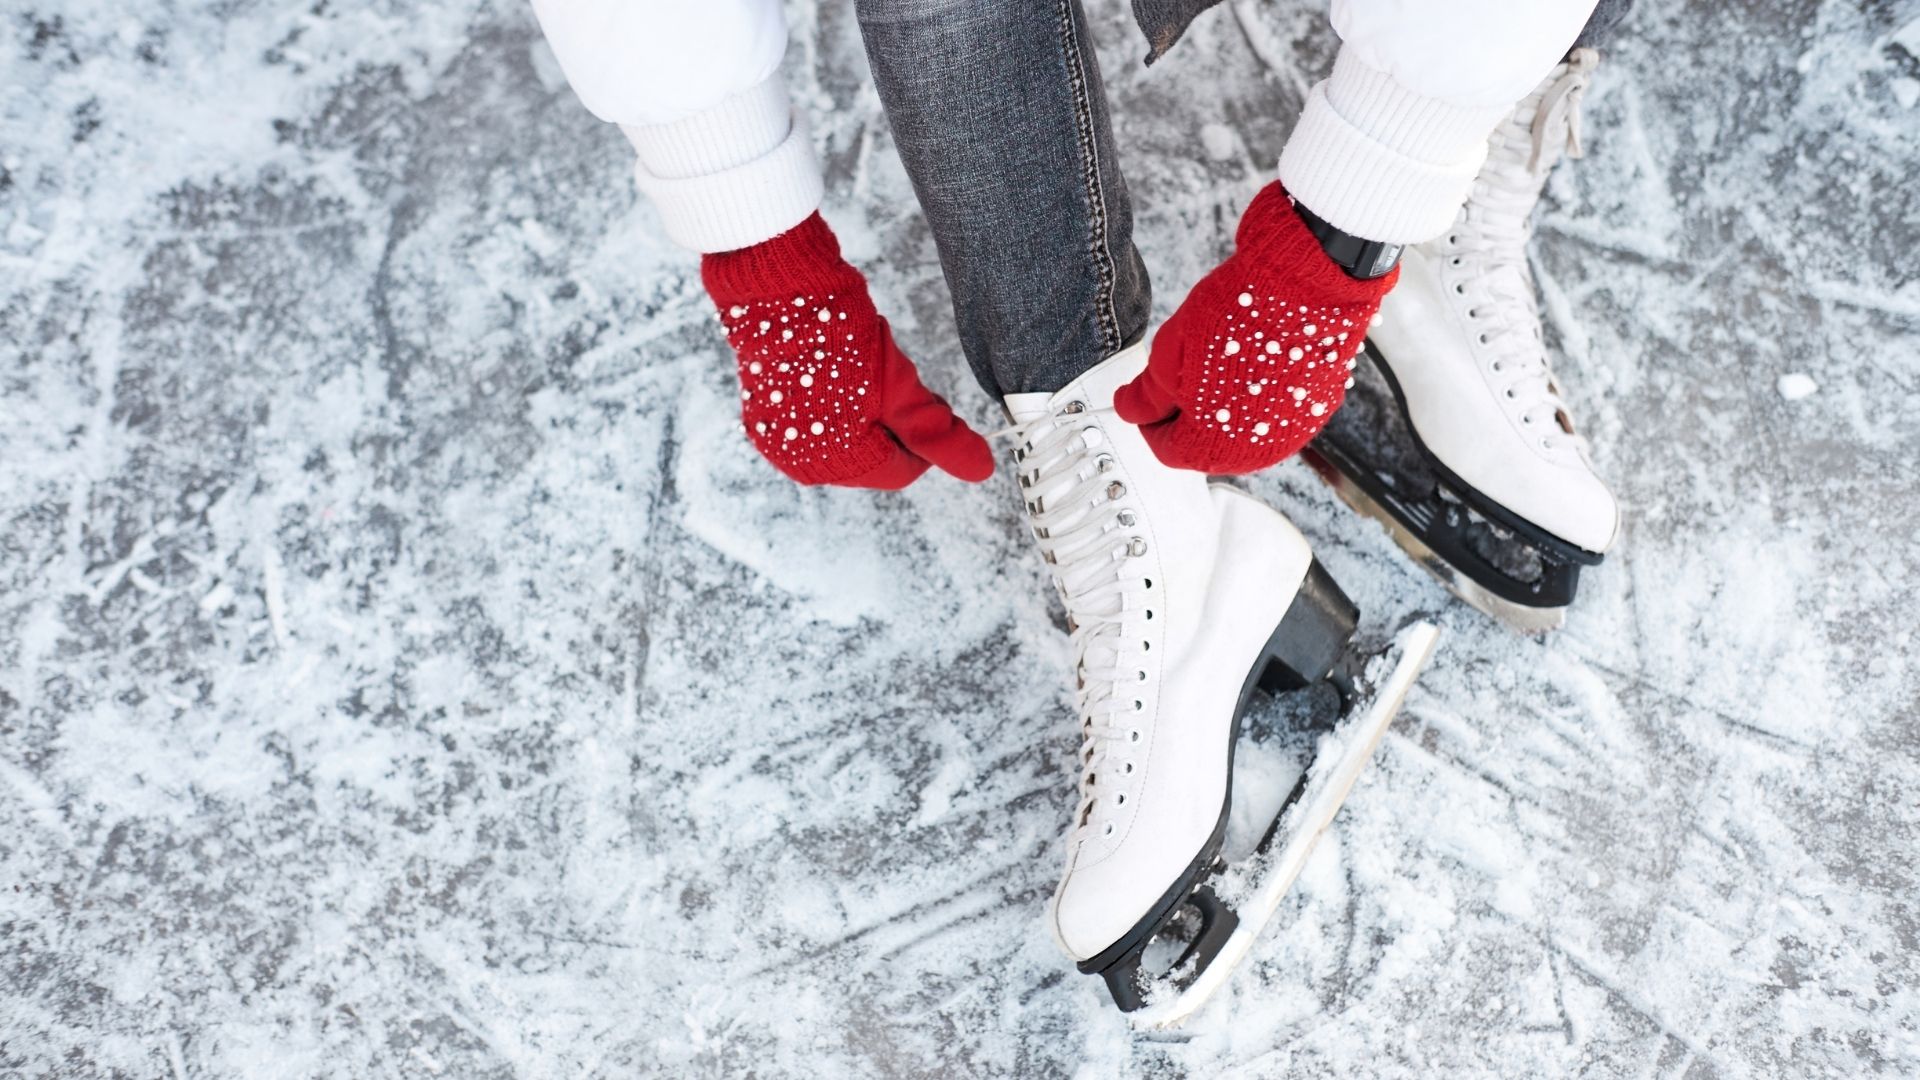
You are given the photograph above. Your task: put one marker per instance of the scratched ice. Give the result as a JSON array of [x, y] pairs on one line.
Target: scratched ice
[[408, 668]]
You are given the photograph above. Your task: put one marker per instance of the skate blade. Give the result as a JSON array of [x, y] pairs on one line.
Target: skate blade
[[1529, 620], [1329, 781]]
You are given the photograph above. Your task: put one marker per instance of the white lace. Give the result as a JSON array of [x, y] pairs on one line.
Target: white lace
[[1490, 240], [1082, 516]]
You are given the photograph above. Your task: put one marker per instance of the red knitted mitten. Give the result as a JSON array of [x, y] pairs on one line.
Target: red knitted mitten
[[1258, 356], [826, 396]]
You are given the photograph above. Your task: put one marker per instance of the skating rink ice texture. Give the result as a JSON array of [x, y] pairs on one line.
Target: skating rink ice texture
[[408, 669]]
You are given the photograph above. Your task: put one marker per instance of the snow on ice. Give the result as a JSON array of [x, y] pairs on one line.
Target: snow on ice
[[407, 668]]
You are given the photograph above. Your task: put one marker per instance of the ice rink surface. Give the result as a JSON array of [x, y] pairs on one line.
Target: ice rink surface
[[407, 668]]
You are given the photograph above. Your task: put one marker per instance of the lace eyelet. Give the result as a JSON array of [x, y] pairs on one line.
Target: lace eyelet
[[1073, 407], [1116, 490], [1133, 736], [1136, 547], [1109, 829], [1120, 799], [1127, 768]]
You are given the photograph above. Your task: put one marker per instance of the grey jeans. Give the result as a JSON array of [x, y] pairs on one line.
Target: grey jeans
[[1001, 120]]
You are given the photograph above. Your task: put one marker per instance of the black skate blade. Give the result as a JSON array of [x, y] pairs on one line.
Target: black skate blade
[[1498, 562], [1348, 479], [1254, 888]]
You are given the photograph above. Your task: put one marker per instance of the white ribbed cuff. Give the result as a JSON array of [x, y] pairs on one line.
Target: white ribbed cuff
[[733, 175], [745, 126], [1380, 161]]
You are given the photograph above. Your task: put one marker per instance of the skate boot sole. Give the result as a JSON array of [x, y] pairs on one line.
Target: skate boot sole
[[1305, 648]]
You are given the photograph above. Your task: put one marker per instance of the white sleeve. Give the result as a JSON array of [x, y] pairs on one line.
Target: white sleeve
[[695, 85], [1389, 144]]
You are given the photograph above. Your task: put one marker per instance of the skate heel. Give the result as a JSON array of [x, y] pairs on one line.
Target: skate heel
[[1196, 930], [1312, 636]]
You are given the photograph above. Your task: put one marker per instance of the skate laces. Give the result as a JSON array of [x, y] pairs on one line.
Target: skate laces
[[1491, 237], [1082, 519]]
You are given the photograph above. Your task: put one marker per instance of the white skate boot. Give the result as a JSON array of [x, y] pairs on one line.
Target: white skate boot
[[1180, 596], [1459, 344]]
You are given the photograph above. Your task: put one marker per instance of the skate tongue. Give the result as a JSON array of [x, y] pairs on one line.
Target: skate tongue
[[1095, 386], [1025, 408]]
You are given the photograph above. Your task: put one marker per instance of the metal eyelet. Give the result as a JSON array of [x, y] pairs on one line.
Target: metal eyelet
[[1116, 490], [1104, 462], [1073, 407], [1136, 547]]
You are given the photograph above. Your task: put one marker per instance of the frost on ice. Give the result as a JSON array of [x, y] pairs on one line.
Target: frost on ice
[[356, 722], [1797, 385]]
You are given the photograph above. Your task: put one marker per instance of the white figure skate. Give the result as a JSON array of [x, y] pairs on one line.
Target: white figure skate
[[1496, 495], [1182, 598]]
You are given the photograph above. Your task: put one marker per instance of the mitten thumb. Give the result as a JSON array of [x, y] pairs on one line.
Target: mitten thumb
[[1145, 400], [925, 424]]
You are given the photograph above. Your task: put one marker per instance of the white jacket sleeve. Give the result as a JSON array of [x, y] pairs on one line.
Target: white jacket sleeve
[[696, 87], [1389, 144]]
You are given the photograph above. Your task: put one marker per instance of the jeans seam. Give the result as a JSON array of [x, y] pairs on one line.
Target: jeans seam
[[1100, 246]]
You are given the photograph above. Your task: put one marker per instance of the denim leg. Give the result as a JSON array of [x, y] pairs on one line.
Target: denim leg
[[1001, 119], [1606, 17]]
